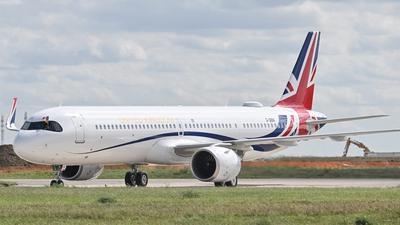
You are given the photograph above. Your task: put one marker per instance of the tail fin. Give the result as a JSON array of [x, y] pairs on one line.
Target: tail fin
[[299, 90]]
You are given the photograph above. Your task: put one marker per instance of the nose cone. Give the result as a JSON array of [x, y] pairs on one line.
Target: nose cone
[[27, 147]]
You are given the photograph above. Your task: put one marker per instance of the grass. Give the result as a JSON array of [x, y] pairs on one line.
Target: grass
[[199, 206], [246, 172]]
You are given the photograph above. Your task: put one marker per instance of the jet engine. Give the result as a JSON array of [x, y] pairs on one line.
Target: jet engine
[[81, 172], [215, 164]]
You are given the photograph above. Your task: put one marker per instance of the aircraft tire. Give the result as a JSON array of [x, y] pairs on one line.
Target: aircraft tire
[[219, 184], [130, 180], [142, 179], [232, 183], [56, 183]]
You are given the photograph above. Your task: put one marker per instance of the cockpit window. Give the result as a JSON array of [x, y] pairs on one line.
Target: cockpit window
[[42, 125]]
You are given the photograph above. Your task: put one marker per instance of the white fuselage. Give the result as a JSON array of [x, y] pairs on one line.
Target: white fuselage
[[133, 135]]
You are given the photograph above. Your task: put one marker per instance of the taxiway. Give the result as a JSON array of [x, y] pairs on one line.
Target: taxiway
[[289, 183]]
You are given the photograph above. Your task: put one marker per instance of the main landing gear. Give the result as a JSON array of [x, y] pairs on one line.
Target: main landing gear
[[57, 182], [230, 183], [136, 177]]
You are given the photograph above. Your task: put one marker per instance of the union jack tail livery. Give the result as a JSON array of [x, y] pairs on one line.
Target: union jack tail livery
[[299, 90]]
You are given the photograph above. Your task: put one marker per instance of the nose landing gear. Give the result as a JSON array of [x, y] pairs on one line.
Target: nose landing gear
[[136, 177], [57, 182]]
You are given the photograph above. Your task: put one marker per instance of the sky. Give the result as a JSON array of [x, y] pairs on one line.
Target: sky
[[219, 53]]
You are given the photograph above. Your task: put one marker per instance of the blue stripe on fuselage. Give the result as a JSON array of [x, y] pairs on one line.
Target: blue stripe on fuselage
[[265, 147], [279, 129]]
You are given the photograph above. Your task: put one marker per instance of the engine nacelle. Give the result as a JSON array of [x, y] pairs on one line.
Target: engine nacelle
[[81, 172], [216, 164]]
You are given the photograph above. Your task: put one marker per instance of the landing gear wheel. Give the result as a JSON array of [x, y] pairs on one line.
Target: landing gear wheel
[[142, 179], [136, 177], [219, 184], [232, 183], [60, 183], [53, 183], [130, 179], [56, 183]]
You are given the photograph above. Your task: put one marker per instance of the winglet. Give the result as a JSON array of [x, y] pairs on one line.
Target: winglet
[[11, 117]]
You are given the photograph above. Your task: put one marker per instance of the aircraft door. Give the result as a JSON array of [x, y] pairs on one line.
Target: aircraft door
[[79, 129]]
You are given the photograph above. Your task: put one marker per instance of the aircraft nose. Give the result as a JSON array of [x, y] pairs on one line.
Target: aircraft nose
[[26, 147]]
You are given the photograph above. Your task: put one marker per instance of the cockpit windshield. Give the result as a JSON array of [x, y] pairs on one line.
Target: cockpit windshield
[[42, 125]]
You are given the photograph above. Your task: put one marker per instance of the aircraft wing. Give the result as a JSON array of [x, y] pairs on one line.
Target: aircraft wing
[[10, 124], [245, 144], [313, 122]]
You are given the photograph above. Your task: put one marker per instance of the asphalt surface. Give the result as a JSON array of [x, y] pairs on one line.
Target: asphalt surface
[[289, 183]]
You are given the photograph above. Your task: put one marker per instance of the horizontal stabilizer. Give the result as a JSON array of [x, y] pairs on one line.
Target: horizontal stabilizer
[[338, 120]]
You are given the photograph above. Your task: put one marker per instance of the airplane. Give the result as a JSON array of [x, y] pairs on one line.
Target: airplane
[[79, 141]]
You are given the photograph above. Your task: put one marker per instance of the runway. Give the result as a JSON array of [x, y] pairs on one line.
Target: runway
[[266, 183]]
